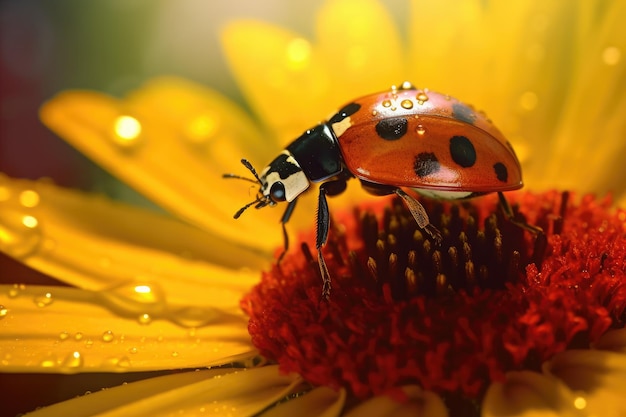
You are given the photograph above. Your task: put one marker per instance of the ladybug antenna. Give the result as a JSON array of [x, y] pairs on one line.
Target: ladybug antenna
[[260, 202], [248, 165]]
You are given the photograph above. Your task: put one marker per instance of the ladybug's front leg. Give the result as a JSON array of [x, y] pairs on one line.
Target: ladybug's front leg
[[283, 222], [323, 225]]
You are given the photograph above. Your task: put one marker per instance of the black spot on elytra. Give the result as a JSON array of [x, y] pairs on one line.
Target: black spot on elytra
[[426, 163], [347, 111], [501, 172], [463, 113], [392, 128], [462, 151], [283, 167]]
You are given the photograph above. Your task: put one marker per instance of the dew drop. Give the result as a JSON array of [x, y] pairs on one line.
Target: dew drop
[[64, 335], [202, 128], [3, 311], [144, 318], [580, 403], [407, 104], [108, 336], [78, 336], [386, 103], [29, 198], [16, 290], [421, 98], [44, 300], [126, 131], [123, 362], [174, 354], [135, 299], [420, 130], [611, 55], [529, 100], [50, 361], [73, 360], [374, 112], [194, 316], [133, 350], [88, 343], [20, 233]]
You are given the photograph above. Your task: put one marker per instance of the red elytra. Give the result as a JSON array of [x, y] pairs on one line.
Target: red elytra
[[429, 141]]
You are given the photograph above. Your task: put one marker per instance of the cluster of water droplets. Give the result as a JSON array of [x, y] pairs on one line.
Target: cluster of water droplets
[[20, 230], [142, 301]]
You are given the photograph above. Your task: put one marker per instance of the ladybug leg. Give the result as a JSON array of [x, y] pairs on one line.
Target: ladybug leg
[[420, 215], [283, 221], [510, 216], [323, 225], [541, 240]]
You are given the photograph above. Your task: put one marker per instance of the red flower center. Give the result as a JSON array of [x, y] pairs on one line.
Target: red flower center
[[451, 319]]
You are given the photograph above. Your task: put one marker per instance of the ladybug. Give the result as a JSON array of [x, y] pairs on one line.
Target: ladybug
[[401, 138]]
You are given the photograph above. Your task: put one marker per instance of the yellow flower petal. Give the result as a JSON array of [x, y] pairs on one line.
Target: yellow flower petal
[[94, 243], [171, 140], [67, 330], [550, 74], [297, 82], [526, 394], [588, 146], [288, 80], [599, 377], [202, 393], [320, 402], [362, 50], [420, 403]]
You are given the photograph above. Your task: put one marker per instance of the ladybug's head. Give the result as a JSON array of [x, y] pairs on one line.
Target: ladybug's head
[[281, 180]]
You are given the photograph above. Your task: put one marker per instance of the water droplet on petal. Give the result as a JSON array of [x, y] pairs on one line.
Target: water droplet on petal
[[144, 318], [3, 311], [78, 336], [194, 316], [611, 55], [133, 350], [420, 130], [202, 128], [529, 100], [50, 361], [20, 234], [126, 131], [135, 299], [298, 54], [64, 335], [407, 104], [174, 354], [73, 360], [88, 343], [386, 103], [44, 300], [108, 336], [123, 362], [16, 290], [580, 402], [29, 198]]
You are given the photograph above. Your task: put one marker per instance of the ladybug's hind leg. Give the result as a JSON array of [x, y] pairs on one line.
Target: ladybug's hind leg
[[420, 215], [510, 216], [541, 241]]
